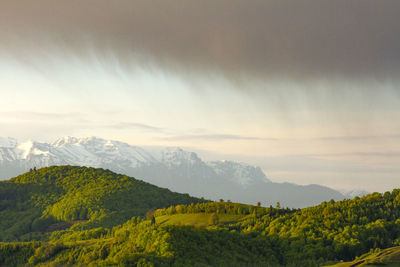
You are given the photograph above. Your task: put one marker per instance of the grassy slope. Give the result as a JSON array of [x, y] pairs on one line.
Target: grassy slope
[[387, 257], [197, 219]]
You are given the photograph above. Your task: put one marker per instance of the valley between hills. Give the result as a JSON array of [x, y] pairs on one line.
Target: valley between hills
[[81, 216], [209, 133]]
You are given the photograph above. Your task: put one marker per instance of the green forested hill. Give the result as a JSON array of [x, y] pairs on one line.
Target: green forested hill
[[58, 197], [389, 257], [192, 233]]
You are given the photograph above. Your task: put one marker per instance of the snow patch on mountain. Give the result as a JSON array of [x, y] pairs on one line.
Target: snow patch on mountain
[[119, 156], [97, 152], [171, 167], [240, 173], [175, 156], [7, 142]]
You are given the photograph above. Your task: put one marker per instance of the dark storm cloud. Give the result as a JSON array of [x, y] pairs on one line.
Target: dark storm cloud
[[297, 38]]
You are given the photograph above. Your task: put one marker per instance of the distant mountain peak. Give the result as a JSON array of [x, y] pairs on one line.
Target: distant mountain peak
[[71, 140], [8, 142], [176, 156], [240, 172], [171, 167], [118, 156]]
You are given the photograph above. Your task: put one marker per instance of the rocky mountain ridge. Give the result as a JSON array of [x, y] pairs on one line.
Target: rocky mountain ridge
[[170, 167]]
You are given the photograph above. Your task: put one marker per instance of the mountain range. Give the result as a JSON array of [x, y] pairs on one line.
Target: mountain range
[[171, 167]]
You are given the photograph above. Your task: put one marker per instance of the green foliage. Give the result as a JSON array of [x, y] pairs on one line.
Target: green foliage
[[376, 257], [98, 205], [198, 219], [313, 236], [222, 208], [16, 254], [36, 202], [139, 243], [46, 252], [70, 235]]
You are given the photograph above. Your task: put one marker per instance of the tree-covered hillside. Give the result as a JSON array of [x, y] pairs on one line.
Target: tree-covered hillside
[[99, 205], [58, 197], [389, 257], [329, 232]]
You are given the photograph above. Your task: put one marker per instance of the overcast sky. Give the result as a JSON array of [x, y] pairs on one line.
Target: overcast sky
[[307, 89]]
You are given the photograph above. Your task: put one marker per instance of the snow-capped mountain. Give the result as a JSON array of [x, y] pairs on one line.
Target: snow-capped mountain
[[170, 167], [121, 157]]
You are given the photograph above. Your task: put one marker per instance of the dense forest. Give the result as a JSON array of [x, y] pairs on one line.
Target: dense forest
[[37, 202], [86, 216]]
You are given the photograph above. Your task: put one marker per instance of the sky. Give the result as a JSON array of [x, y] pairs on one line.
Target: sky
[[309, 90]]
